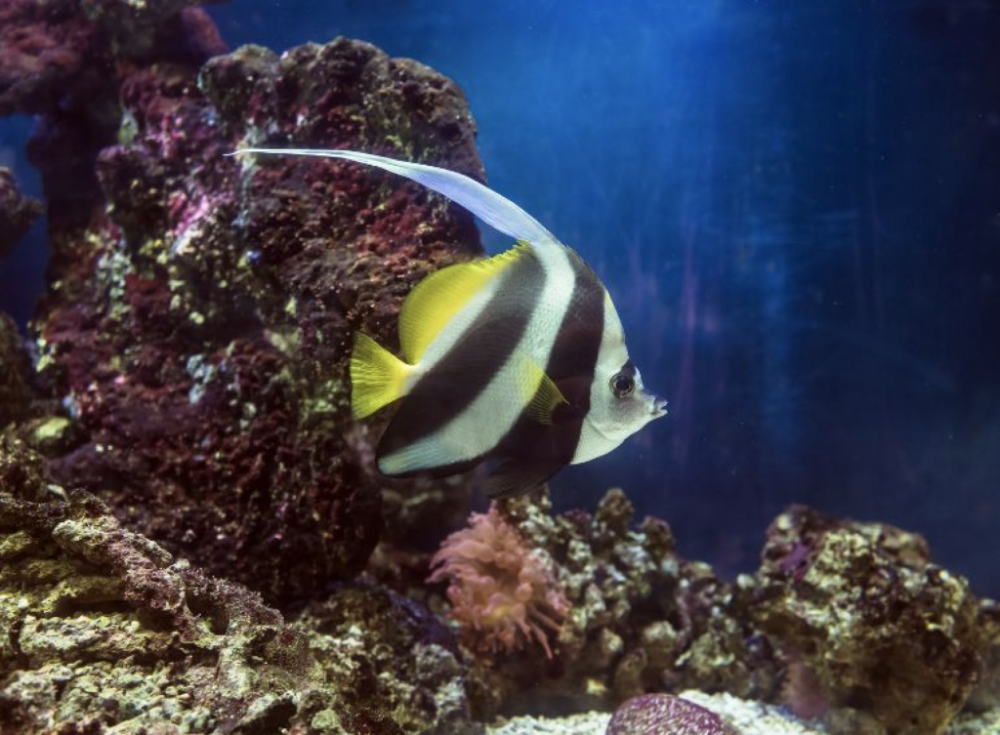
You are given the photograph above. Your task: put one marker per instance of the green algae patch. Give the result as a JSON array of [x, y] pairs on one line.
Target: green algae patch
[[108, 632]]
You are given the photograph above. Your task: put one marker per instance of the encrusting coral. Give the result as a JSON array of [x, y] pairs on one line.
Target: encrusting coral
[[896, 644], [637, 617], [201, 308], [846, 622], [502, 592], [104, 631]]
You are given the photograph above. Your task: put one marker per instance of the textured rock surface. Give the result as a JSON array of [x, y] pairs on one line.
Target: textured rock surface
[[104, 629], [847, 623], [986, 723], [747, 717], [585, 723], [205, 305], [17, 212], [640, 619], [896, 643], [665, 714], [58, 53], [986, 695], [45, 49], [391, 659], [15, 375]]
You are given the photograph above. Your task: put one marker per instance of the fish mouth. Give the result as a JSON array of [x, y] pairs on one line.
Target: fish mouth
[[658, 406]]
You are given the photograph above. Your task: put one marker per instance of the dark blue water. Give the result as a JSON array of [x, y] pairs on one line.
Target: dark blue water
[[796, 206]]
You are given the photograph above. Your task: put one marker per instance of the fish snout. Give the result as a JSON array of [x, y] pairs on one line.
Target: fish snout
[[657, 405]]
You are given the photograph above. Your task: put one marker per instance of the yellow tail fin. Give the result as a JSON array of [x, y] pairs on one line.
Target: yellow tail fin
[[377, 376]]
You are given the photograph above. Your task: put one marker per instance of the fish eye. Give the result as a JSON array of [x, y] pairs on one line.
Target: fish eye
[[622, 385]]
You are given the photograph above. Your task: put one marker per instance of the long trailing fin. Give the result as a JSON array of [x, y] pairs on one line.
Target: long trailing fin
[[377, 376], [495, 210]]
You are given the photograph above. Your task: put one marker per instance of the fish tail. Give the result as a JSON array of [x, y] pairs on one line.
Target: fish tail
[[377, 376]]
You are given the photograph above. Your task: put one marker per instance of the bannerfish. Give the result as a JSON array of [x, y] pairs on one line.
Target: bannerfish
[[518, 359]]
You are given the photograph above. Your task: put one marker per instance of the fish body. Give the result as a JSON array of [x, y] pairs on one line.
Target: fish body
[[519, 358]]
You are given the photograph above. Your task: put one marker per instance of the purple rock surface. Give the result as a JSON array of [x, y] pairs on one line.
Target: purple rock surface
[[665, 714], [886, 634], [202, 308]]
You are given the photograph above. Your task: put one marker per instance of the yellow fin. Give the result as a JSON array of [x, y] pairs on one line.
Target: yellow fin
[[542, 394], [377, 376], [435, 300]]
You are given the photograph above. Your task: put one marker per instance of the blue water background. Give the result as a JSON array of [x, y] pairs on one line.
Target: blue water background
[[796, 207]]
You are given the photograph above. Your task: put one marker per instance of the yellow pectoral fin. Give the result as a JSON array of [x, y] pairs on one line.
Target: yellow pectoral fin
[[541, 393], [435, 300], [377, 376]]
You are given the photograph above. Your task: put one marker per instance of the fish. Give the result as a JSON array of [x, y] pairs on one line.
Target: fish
[[517, 360]]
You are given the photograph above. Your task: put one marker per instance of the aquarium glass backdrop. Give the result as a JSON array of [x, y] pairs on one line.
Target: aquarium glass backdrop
[[796, 207]]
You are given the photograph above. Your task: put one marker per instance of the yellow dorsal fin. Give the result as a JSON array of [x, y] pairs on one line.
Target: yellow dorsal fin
[[435, 300], [541, 392], [377, 376]]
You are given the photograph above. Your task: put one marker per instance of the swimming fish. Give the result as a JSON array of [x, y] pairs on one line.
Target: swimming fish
[[518, 359]]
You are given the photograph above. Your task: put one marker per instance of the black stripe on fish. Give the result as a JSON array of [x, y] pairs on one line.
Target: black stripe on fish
[[571, 366], [465, 371], [574, 356]]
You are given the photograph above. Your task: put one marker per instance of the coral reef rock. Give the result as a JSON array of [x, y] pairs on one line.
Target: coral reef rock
[[16, 394], [985, 723], [665, 714], [747, 717], [202, 308], [26, 411], [105, 632], [639, 619], [586, 723], [17, 212], [895, 642], [60, 52], [393, 661]]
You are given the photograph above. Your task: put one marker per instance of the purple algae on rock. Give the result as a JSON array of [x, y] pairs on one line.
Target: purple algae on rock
[[665, 714], [640, 618], [892, 639], [202, 308]]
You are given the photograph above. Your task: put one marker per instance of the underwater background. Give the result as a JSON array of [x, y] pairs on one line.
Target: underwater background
[[796, 207]]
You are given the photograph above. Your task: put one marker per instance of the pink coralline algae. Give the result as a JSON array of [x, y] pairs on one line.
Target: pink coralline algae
[[200, 331], [665, 714], [503, 592]]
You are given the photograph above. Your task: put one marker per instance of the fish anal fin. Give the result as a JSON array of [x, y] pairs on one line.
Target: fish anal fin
[[544, 395], [440, 296], [514, 477], [377, 376]]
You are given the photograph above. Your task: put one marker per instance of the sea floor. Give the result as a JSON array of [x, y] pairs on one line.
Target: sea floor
[[748, 717]]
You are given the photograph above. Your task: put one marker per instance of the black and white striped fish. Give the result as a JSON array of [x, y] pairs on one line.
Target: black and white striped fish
[[519, 358]]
